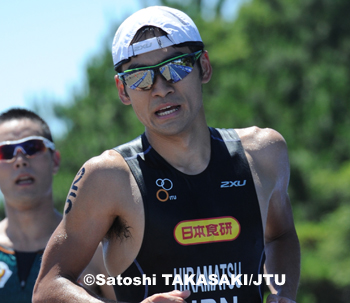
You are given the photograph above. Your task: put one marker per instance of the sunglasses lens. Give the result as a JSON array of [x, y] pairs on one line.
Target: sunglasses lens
[[176, 70], [6, 152], [139, 80], [173, 72], [32, 147]]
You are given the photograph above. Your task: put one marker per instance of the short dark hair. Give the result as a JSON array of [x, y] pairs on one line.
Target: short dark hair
[[21, 113]]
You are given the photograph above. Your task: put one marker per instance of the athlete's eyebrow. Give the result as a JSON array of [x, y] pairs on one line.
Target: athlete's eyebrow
[[138, 65]]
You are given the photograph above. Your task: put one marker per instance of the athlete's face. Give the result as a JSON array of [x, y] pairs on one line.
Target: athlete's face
[[167, 108], [26, 179]]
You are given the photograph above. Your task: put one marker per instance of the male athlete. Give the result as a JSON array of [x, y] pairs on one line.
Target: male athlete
[[28, 161], [185, 211]]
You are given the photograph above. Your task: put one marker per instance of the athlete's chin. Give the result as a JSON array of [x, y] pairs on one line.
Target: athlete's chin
[[169, 129]]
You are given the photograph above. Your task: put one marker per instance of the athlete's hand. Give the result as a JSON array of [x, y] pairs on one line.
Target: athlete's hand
[[174, 296], [277, 299]]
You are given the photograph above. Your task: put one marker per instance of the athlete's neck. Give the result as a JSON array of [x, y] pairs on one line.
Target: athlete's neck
[[188, 152], [29, 230]]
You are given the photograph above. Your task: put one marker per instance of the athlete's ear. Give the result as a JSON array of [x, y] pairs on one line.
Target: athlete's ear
[[206, 67], [56, 161], [123, 95]]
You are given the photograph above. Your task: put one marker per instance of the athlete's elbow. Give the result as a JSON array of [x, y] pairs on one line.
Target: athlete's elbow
[[37, 296], [40, 293]]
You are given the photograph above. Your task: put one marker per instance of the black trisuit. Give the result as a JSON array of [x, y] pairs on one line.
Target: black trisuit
[[200, 230]]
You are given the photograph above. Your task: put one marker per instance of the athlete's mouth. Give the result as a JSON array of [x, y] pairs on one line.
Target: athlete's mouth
[[167, 110], [25, 180]]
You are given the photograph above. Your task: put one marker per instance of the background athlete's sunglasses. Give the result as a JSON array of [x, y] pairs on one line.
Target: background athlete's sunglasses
[[30, 146], [173, 70]]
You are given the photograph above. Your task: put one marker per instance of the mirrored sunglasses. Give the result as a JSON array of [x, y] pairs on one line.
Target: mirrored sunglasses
[[29, 146], [173, 70]]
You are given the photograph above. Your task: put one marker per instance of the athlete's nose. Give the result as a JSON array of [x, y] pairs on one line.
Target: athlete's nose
[[161, 87], [20, 158]]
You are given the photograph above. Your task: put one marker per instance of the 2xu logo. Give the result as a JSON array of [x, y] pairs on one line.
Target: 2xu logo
[[226, 184], [142, 46]]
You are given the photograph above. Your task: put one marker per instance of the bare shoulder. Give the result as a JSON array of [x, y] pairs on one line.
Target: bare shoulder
[[266, 150], [4, 239], [108, 162], [107, 170], [260, 139], [3, 225], [100, 184]]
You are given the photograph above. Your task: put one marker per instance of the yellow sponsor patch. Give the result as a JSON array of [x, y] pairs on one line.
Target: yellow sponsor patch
[[207, 230]]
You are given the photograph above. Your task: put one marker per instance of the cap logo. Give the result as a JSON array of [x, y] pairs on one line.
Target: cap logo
[[141, 46], [149, 45]]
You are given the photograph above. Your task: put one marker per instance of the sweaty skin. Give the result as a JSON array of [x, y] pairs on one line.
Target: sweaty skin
[[107, 196]]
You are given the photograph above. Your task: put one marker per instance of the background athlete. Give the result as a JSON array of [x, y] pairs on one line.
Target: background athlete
[[28, 161], [229, 206]]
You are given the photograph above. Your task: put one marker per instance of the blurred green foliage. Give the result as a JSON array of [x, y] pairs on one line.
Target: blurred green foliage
[[282, 64]]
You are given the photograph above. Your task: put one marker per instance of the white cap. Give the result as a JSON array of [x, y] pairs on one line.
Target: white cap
[[179, 28]]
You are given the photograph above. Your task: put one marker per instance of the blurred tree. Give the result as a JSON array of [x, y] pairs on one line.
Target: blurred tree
[[97, 121], [2, 208], [282, 64]]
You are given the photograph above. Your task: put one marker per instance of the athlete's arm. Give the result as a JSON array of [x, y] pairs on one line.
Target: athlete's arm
[[281, 241], [89, 213], [99, 194], [97, 267]]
